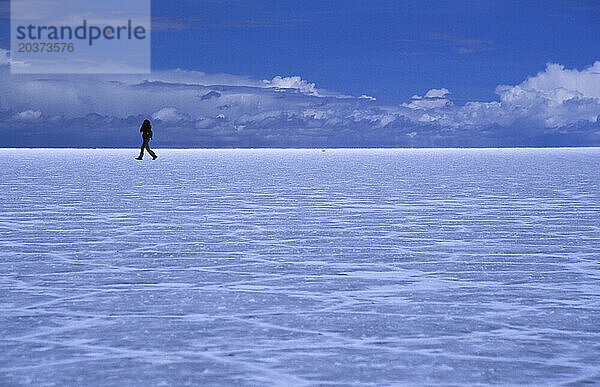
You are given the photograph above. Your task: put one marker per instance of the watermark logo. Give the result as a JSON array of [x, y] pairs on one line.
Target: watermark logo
[[80, 36]]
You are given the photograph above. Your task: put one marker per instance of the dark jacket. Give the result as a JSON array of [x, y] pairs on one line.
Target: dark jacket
[[146, 130]]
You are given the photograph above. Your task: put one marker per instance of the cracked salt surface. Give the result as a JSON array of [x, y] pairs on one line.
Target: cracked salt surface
[[299, 267]]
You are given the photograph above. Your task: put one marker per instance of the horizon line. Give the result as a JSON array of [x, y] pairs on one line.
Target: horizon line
[[308, 148]]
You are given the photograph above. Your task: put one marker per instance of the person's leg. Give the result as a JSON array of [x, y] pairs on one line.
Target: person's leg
[[150, 151], [144, 145]]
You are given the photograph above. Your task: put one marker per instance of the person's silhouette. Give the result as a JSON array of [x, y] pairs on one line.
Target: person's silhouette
[[146, 130]]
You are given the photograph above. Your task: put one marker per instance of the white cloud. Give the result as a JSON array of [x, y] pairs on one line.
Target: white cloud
[[428, 118], [433, 99], [553, 98], [430, 103], [168, 114], [364, 96], [437, 93], [556, 78], [227, 105], [5, 59], [294, 82], [318, 114], [28, 115], [4, 56], [556, 96]]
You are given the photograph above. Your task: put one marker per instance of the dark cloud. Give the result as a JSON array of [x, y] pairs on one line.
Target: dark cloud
[[210, 94]]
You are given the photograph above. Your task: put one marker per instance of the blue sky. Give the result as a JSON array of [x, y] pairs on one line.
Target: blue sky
[[386, 48], [331, 73]]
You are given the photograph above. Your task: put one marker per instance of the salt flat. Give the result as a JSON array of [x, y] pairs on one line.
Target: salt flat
[[299, 267]]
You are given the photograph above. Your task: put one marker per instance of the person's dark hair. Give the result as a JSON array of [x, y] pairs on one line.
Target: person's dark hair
[[146, 124]]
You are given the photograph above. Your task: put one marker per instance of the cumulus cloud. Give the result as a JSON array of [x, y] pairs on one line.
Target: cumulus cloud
[[169, 114], [437, 93], [295, 82], [434, 98], [556, 106], [556, 96]]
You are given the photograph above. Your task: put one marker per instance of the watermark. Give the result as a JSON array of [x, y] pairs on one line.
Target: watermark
[[80, 36]]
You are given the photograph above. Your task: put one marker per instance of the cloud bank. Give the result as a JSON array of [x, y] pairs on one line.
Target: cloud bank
[[558, 106]]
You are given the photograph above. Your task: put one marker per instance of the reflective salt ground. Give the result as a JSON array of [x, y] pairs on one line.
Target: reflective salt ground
[[294, 267]]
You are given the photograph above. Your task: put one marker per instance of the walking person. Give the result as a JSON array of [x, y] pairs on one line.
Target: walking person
[[146, 131]]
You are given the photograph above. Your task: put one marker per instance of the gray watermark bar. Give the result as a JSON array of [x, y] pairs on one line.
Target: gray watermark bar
[[80, 36]]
